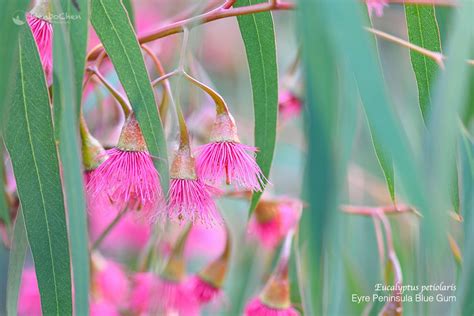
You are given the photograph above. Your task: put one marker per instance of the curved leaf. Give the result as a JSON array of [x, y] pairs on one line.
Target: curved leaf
[[15, 263], [30, 141], [258, 35], [112, 25], [69, 59]]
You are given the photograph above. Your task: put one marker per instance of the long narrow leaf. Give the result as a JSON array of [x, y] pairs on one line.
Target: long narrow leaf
[[259, 39], [15, 264], [69, 49], [110, 21], [423, 31], [30, 141]]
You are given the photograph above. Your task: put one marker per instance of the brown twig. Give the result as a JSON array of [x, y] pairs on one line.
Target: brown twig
[[374, 211], [213, 15]]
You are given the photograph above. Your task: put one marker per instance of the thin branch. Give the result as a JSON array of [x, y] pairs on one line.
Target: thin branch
[[379, 238], [213, 15], [427, 2], [373, 211], [160, 80], [435, 56]]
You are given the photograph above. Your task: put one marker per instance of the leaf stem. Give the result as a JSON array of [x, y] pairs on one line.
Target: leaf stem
[[117, 96], [109, 228], [224, 11], [221, 105]]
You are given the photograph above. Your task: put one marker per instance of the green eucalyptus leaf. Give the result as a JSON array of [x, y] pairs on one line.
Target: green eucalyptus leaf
[[30, 141], [69, 50], [423, 31], [258, 34], [112, 25]]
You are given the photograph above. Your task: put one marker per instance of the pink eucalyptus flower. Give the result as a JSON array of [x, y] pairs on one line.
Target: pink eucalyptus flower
[[175, 297], [376, 6], [43, 34], [257, 308], [128, 177], [189, 197], [226, 158], [289, 105], [29, 300], [273, 219]]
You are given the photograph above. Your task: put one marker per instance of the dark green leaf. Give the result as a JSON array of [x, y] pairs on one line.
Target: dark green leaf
[[423, 31], [30, 141], [15, 264], [69, 49], [259, 39], [113, 27], [12, 15]]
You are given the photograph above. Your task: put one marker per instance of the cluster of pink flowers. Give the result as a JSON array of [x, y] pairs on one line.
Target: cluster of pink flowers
[[123, 181]]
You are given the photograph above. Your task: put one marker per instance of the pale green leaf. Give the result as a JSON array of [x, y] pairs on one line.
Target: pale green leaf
[[258, 35]]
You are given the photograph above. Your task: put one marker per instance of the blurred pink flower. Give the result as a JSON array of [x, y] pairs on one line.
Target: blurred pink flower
[[103, 309], [29, 301], [43, 34], [203, 291], [205, 243], [376, 6], [289, 105], [273, 219], [128, 234], [110, 282], [154, 294], [128, 177], [226, 158], [175, 297], [257, 308]]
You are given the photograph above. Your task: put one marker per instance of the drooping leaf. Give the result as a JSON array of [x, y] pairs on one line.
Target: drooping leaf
[[29, 138], [258, 35], [383, 156], [113, 27], [423, 31], [69, 49], [320, 73], [15, 264], [12, 18]]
